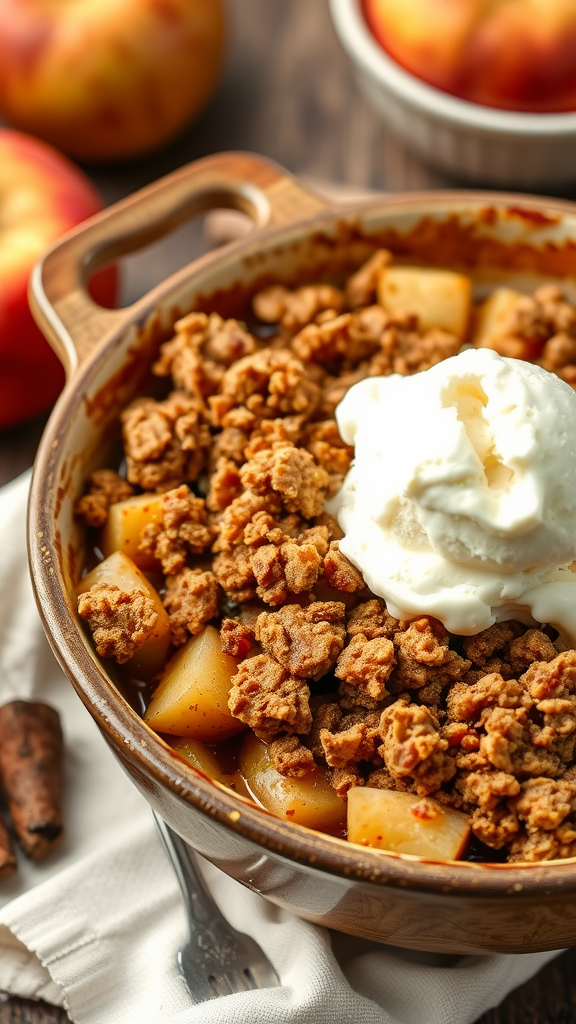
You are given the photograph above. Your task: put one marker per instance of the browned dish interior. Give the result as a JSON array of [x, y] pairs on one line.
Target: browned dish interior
[[447, 230]]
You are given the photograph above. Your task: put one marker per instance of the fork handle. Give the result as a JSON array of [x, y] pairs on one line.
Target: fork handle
[[200, 906]]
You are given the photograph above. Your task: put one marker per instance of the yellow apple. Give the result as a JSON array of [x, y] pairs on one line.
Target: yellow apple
[[404, 823], [119, 571], [191, 698], [309, 801], [107, 79]]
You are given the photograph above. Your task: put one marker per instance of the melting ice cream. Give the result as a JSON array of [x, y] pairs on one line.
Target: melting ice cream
[[461, 500]]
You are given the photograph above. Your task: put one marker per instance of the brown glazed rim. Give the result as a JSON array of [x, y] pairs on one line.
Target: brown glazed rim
[[83, 335]]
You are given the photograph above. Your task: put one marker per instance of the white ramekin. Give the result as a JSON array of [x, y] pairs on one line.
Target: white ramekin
[[480, 144]]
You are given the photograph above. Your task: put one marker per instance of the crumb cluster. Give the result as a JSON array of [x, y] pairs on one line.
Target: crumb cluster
[[542, 328]]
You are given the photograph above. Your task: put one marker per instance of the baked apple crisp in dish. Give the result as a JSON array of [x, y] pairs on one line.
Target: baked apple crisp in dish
[[334, 562]]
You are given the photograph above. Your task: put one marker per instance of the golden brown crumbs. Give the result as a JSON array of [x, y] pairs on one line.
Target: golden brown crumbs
[[120, 622], [293, 309], [340, 573], [291, 758], [165, 442], [361, 286], [343, 779], [236, 638], [306, 641], [540, 327], [269, 699], [366, 665], [191, 601], [372, 619], [225, 485], [280, 571], [412, 745], [233, 571], [291, 473], [181, 531], [357, 739], [105, 488]]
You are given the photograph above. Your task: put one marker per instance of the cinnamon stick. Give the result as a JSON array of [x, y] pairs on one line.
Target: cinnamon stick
[[7, 858], [31, 774]]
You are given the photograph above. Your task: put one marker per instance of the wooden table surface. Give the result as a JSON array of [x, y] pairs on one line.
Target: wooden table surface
[[288, 92]]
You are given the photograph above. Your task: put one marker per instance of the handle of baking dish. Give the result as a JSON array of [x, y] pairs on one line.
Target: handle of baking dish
[[73, 323]]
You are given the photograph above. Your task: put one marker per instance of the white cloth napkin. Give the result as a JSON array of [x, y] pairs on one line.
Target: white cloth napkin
[[97, 926]]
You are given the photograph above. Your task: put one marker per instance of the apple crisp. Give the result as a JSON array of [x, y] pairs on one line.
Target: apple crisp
[[239, 460]]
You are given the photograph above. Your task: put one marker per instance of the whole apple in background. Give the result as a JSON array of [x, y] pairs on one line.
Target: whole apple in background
[[42, 195], [512, 54], [107, 79]]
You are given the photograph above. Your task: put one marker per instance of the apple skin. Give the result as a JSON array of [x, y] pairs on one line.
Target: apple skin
[[514, 55], [42, 195], [107, 79]]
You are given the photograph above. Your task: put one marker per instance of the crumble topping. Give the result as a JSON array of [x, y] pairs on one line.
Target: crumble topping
[[269, 699], [191, 601], [165, 442], [247, 451], [306, 641], [120, 622], [182, 530], [105, 488]]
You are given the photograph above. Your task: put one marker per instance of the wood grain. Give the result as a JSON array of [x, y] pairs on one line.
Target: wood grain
[[27, 1011], [289, 93]]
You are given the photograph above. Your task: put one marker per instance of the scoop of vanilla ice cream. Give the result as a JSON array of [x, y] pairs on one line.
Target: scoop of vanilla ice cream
[[461, 500]]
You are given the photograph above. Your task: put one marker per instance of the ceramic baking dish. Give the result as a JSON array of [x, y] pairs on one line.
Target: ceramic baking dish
[[458, 907]]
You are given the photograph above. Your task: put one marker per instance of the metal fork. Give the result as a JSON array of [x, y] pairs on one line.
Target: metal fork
[[216, 960]]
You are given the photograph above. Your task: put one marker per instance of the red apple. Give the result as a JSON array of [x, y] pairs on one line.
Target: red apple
[[512, 54], [42, 195], [107, 79]]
